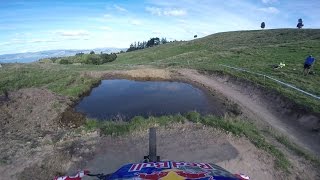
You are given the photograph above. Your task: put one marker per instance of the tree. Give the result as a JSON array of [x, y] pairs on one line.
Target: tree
[[92, 52], [113, 56], [79, 54], [132, 48], [94, 59], [164, 41], [300, 23], [108, 57], [150, 43], [263, 25], [156, 41], [153, 42], [64, 61]]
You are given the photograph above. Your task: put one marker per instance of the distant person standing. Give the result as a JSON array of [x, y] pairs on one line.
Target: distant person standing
[[308, 63]]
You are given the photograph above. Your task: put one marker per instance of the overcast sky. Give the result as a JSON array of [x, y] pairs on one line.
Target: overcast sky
[[34, 25]]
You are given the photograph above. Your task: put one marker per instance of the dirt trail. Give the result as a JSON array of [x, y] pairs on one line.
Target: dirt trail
[[259, 109], [185, 142]]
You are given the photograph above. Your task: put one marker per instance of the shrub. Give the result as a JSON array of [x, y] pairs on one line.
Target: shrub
[[193, 116], [108, 57], [64, 61], [93, 59]]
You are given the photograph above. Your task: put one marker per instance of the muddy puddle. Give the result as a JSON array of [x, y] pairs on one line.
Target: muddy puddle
[[124, 99]]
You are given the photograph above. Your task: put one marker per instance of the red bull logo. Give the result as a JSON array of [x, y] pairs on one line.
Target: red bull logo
[[168, 164], [154, 175], [158, 165], [179, 175], [191, 175]]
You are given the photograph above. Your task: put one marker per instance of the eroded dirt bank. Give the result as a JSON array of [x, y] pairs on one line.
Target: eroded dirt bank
[[39, 138], [266, 109]]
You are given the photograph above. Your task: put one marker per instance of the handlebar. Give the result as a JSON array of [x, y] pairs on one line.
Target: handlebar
[[100, 176]]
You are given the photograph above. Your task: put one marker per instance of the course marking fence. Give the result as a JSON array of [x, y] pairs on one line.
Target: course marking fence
[[276, 80]]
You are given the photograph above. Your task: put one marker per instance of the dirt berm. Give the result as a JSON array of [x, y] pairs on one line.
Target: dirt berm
[[267, 108]]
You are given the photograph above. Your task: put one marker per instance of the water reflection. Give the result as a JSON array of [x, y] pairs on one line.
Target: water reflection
[[128, 98]]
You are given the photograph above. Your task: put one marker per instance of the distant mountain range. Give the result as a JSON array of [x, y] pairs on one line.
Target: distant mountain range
[[35, 56]]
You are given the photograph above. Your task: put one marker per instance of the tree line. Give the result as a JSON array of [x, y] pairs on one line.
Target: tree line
[[91, 58], [145, 44]]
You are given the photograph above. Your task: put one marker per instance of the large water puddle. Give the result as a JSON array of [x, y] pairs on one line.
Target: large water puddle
[[114, 99]]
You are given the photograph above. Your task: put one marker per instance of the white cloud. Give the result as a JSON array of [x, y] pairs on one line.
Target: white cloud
[[17, 40], [105, 28], [14, 41], [23, 43], [41, 41], [175, 12], [72, 33], [156, 32], [271, 10], [5, 43], [107, 16], [75, 39], [154, 10], [269, 1], [135, 22], [119, 8], [166, 11]]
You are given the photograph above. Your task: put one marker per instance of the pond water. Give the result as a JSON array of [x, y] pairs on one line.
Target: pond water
[[124, 99]]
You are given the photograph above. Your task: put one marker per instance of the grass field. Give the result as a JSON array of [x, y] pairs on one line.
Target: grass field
[[255, 51]]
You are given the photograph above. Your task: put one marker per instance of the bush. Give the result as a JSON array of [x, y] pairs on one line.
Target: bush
[[91, 125], [79, 54], [93, 59], [45, 61], [108, 57], [64, 61], [193, 116]]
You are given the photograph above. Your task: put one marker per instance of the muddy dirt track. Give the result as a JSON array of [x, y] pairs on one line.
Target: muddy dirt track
[[37, 141], [265, 109]]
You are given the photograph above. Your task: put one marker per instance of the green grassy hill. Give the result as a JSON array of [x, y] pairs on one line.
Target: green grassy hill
[[255, 51]]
